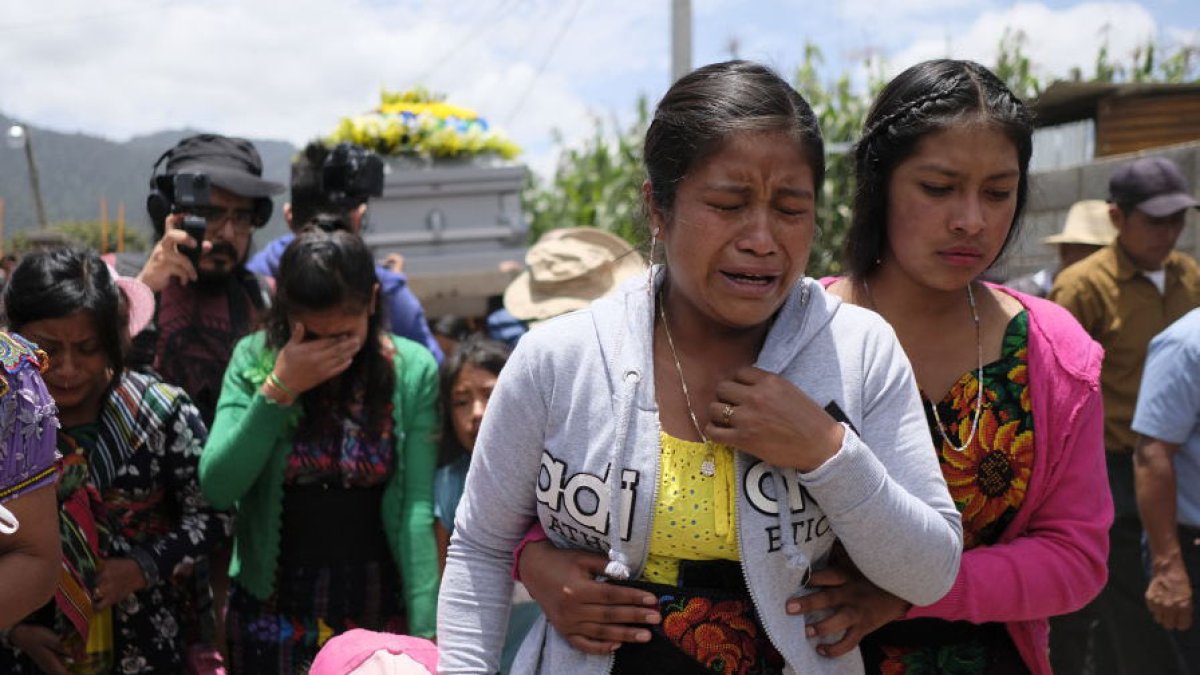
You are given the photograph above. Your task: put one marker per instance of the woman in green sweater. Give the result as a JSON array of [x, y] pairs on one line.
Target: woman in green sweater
[[324, 441]]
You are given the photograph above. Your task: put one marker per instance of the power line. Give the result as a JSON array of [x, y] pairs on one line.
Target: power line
[[488, 21], [527, 45], [562, 31]]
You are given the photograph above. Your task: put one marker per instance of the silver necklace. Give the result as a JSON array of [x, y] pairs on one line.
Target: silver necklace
[[978, 374], [709, 466]]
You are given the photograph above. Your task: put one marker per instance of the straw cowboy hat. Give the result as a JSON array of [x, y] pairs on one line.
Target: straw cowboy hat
[[1087, 223], [567, 269]]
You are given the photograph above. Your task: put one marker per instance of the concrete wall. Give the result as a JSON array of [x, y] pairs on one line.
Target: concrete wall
[[1052, 193]]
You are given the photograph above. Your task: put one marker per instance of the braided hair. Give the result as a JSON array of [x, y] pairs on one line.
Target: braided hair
[[924, 99]]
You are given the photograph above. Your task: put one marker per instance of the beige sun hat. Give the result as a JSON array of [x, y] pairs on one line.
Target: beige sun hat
[[1087, 223], [567, 269]]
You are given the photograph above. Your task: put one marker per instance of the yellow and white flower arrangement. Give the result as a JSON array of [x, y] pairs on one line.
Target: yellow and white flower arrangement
[[421, 124]]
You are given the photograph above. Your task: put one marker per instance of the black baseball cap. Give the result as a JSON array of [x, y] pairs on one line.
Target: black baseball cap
[[230, 163], [1152, 185]]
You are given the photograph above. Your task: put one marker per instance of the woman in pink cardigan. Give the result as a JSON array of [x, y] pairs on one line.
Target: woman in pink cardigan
[[1010, 382]]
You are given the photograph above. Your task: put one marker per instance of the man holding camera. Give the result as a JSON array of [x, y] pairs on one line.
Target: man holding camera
[[204, 206], [330, 190]]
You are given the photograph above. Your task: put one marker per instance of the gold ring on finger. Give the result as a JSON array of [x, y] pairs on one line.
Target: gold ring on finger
[[727, 415]]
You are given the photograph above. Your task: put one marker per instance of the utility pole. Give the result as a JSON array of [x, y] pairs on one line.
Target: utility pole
[[18, 137], [681, 38]]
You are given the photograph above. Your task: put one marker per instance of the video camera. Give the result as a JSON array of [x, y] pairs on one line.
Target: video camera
[[349, 176], [189, 190], [185, 192]]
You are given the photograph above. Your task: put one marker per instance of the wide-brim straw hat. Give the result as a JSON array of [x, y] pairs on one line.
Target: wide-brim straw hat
[[567, 269], [1088, 222]]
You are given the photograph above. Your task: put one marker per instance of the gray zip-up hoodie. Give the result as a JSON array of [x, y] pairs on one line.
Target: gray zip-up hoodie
[[571, 439]]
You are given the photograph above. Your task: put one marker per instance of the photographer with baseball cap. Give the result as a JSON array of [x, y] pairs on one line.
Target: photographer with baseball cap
[[207, 299], [330, 189]]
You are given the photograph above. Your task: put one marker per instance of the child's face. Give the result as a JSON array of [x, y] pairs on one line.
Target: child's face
[[468, 401]]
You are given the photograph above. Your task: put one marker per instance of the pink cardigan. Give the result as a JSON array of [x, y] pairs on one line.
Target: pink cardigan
[[1052, 558]]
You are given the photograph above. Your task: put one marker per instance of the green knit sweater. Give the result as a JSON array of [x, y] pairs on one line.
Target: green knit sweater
[[244, 460]]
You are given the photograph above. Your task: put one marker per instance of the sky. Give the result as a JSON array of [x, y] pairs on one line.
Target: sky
[[542, 70]]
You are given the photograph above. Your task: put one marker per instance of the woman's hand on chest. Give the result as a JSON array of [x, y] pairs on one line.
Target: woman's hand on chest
[[767, 416]]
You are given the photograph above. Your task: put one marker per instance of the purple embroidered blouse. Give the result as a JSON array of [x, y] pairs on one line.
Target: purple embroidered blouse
[[27, 419]]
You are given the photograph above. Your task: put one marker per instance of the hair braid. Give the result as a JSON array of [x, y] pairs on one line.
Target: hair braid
[[914, 109]]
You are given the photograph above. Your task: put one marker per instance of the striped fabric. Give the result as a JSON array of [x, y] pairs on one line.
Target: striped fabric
[[81, 514], [136, 410]]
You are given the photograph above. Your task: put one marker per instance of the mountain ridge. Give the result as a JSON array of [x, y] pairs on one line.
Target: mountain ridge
[[76, 169]]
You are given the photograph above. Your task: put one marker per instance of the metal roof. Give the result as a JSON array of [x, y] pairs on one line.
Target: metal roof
[[1065, 101]]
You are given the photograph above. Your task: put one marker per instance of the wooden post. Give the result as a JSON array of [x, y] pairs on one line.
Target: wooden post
[[120, 227], [34, 183], [103, 224]]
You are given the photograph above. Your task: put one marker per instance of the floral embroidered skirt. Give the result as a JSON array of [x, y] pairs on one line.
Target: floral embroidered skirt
[[704, 630]]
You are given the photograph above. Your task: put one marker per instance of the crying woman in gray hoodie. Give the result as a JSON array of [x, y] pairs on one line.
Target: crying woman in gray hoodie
[[715, 430]]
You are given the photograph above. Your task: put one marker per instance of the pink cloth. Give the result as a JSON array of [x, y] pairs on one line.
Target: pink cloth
[[350, 650], [1052, 558], [535, 533], [139, 299]]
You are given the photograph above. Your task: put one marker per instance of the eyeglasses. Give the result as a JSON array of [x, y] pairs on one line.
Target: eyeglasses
[[214, 216]]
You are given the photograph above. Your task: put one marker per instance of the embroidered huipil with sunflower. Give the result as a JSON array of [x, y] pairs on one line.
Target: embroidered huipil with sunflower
[[988, 482]]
